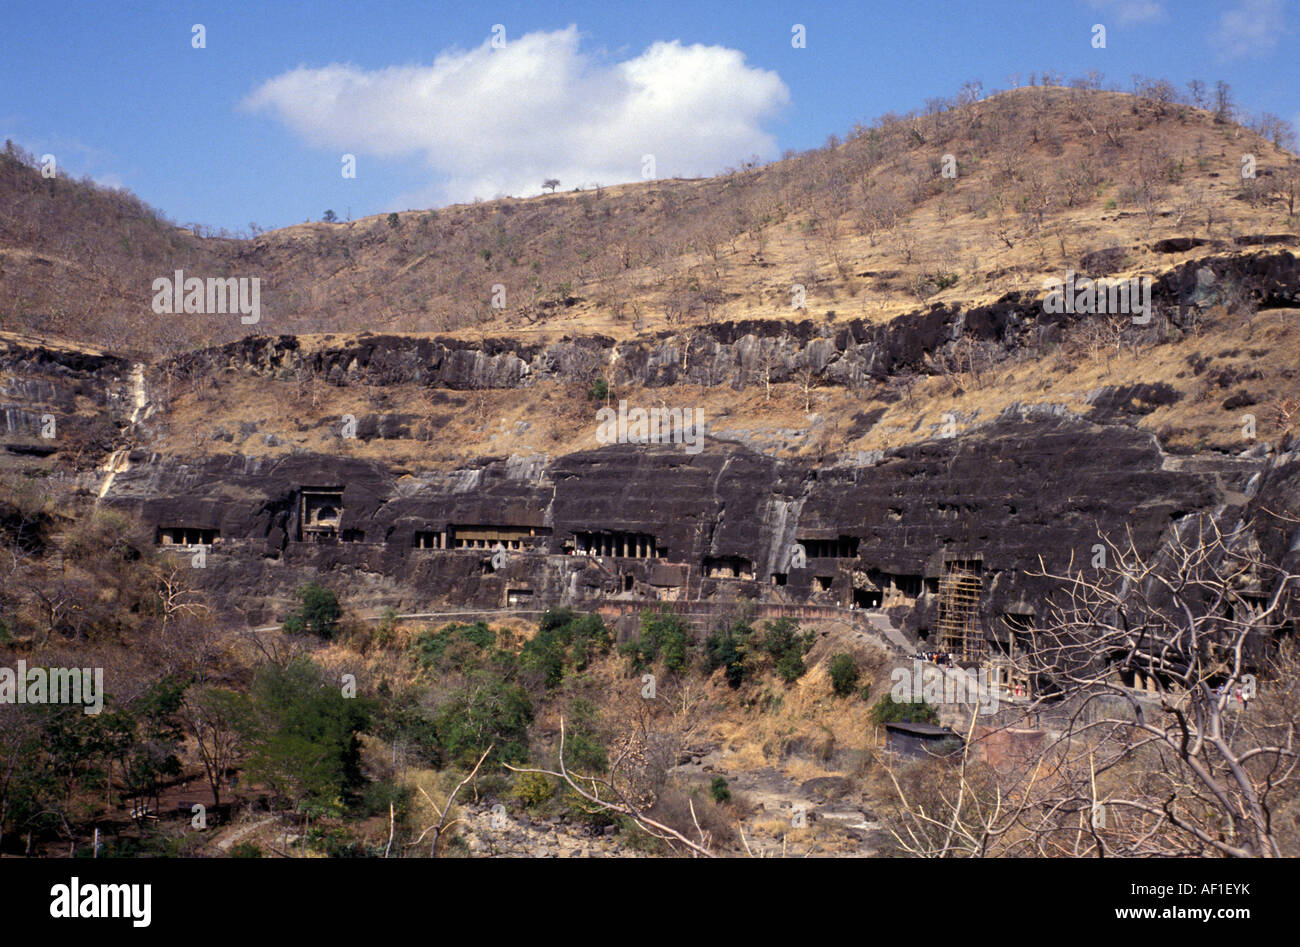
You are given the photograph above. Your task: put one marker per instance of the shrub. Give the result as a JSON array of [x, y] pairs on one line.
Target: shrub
[[720, 790], [430, 648], [379, 795], [786, 646], [728, 647], [490, 711], [888, 710], [844, 674], [532, 789], [663, 635], [583, 748], [790, 666], [244, 850], [599, 390], [564, 638], [386, 631], [318, 611]]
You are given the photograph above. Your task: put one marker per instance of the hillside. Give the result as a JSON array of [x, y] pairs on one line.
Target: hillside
[[391, 483], [1045, 178]]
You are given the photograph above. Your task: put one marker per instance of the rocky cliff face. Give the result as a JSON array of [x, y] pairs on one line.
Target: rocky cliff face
[[58, 399], [723, 523], [657, 522], [742, 354]]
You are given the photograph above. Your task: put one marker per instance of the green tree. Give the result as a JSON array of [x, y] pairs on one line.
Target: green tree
[[786, 646], [487, 711], [318, 611], [844, 674], [663, 636], [728, 647], [150, 753], [564, 639], [308, 749]]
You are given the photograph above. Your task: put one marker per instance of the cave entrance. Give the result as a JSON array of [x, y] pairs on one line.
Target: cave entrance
[[841, 547], [728, 567], [866, 598], [319, 511], [489, 537], [186, 536], [616, 544], [429, 539]]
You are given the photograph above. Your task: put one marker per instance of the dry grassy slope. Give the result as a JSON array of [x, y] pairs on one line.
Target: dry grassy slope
[[859, 224], [1045, 176], [856, 224], [1237, 352]]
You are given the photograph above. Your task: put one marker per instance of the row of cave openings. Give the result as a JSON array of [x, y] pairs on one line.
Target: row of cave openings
[[958, 587], [320, 513]]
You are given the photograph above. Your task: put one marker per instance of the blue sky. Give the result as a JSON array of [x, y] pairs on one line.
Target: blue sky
[[252, 128]]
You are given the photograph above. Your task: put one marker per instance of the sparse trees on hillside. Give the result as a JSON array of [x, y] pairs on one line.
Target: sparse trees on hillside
[[1223, 105]]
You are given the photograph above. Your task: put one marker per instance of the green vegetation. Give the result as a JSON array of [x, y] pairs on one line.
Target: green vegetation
[[720, 790], [888, 710], [564, 638], [493, 713], [844, 674], [729, 647], [664, 637], [306, 745], [533, 790], [431, 648], [787, 647], [318, 612]]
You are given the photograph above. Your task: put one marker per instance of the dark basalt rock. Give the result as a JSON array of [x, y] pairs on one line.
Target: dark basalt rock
[[748, 352], [1025, 486], [1117, 401]]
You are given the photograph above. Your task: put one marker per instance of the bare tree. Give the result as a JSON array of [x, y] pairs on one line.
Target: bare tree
[[219, 721], [443, 812], [1175, 708], [610, 793]]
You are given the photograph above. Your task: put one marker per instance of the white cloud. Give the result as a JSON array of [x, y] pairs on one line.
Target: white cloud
[[1252, 28], [1131, 11], [500, 121]]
